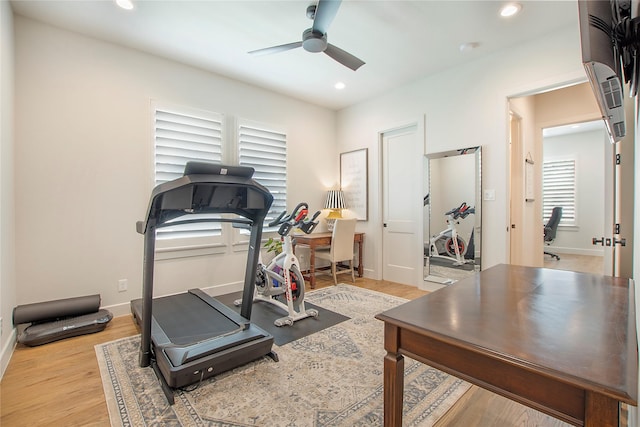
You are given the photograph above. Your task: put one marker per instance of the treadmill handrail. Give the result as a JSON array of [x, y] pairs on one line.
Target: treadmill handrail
[[182, 191], [217, 192]]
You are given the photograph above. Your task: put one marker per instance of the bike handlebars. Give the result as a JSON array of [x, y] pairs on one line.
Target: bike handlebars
[[297, 218], [461, 211]]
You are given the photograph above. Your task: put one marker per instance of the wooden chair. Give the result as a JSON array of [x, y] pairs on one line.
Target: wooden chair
[[341, 248]]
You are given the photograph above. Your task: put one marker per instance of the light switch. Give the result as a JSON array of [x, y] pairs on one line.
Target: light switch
[[489, 194]]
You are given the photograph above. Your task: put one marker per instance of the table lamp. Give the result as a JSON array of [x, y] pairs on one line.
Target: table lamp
[[334, 202]]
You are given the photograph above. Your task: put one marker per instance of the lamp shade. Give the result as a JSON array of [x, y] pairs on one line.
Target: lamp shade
[[335, 200]]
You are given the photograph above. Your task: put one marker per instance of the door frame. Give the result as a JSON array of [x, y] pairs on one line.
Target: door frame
[[419, 124], [516, 187], [563, 121]]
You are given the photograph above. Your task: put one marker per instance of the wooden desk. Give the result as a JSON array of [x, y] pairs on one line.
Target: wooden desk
[[317, 240], [563, 343]]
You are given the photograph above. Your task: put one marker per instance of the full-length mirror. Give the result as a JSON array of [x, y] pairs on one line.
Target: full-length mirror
[[453, 215]]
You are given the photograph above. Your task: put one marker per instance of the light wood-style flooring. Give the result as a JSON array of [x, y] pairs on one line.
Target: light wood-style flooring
[[571, 262], [59, 384]]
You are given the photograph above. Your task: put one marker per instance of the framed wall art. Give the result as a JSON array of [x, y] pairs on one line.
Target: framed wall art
[[354, 182]]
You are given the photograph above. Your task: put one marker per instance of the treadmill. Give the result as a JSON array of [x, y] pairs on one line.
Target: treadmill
[[189, 337]]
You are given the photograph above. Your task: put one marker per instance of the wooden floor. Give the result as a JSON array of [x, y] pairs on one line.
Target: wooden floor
[[582, 263], [59, 384]]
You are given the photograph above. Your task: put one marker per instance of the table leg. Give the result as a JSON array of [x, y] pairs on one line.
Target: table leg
[[393, 389], [312, 266], [601, 411], [393, 377], [360, 268]]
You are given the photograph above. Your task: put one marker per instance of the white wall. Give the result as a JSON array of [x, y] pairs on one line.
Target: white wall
[[7, 236], [464, 106], [84, 162], [588, 150]]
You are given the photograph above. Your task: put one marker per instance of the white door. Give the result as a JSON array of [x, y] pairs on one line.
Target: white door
[[402, 161]]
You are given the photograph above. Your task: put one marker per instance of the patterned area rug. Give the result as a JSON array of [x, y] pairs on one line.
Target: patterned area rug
[[330, 378]]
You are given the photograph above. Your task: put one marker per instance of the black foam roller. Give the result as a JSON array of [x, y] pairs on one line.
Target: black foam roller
[[51, 310]]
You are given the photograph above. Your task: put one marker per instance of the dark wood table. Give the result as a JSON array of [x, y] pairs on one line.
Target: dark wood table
[[318, 240], [561, 342]]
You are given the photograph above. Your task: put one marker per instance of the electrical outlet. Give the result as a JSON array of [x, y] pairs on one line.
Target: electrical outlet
[[123, 284]]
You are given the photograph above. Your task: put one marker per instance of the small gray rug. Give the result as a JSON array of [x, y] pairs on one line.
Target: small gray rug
[[330, 378]]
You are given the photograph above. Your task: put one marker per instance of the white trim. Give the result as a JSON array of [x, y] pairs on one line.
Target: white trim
[[189, 251], [7, 351], [574, 251]]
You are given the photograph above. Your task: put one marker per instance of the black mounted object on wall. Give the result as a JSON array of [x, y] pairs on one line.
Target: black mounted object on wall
[[610, 40]]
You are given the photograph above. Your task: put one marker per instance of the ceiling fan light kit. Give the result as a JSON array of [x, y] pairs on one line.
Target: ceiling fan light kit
[[314, 39], [314, 42]]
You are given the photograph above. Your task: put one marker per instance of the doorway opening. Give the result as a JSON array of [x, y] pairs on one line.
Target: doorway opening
[[574, 178], [551, 110]]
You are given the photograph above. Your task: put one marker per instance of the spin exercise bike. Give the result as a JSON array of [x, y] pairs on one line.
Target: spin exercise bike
[[280, 282], [448, 244]]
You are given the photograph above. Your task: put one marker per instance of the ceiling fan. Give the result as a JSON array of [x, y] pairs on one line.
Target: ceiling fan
[[314, 39]]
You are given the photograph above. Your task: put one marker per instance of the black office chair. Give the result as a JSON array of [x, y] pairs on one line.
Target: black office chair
[[551, 228]]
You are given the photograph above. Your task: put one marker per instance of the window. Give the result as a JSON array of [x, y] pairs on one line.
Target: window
[[180, 135], [265, 150], [559, 189]]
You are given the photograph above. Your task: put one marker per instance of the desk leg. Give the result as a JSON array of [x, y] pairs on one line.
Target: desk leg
[[393, 379], [312, 266], [601, 411], [360, 268]]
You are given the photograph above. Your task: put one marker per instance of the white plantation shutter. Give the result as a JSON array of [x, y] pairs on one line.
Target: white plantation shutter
[[180, 135], [559, 189], [265, 150]]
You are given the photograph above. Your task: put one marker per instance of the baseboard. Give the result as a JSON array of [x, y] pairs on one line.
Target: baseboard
[[430, 285], [7, 352], [632, 416], [574, 251], [124, 309]]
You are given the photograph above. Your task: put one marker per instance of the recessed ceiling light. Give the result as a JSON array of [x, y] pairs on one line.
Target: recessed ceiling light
[[125, 4], [468, 47], [510, 9], [340, 85]]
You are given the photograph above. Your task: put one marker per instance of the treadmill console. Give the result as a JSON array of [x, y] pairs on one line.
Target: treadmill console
[[207, 168]]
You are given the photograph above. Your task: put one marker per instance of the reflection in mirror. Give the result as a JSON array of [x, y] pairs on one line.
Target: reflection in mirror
[[452, 215]]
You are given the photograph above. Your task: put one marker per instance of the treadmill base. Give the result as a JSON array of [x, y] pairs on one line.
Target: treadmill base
[[180, 365]]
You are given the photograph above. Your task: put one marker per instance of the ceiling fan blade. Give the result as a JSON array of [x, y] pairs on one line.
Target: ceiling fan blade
[[345, 58], [276, 49], [325, 12]]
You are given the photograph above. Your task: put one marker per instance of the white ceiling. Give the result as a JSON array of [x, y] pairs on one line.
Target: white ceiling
[[574, 128], [400, 41]]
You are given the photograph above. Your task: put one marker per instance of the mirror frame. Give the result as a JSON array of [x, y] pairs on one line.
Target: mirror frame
[[477, 227]]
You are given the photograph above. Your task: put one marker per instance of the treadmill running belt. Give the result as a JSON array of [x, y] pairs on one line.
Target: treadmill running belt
[[187, 319]]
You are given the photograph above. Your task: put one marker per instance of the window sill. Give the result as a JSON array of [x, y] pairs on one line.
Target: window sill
[[175, 252], [568, 228]]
